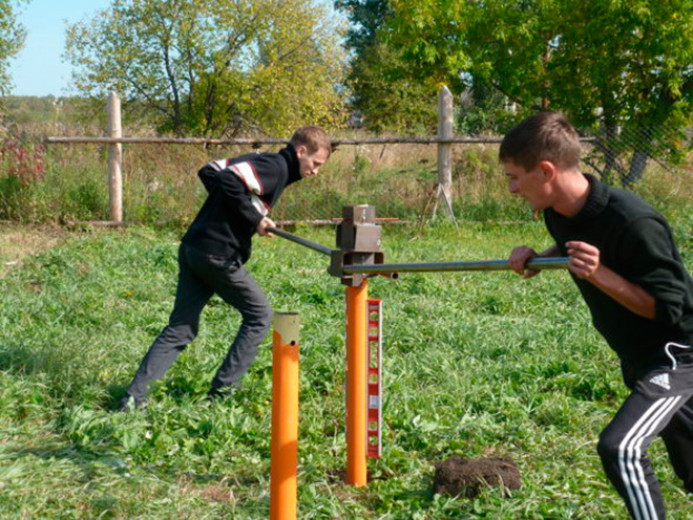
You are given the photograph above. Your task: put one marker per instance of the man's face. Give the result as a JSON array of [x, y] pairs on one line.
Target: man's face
[[531, 186], [310, 163]]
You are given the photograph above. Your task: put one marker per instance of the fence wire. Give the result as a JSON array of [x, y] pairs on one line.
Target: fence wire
[[68, 181], [400, 180]]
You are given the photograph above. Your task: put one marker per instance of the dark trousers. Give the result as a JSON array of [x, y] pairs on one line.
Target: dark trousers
[[200, 276], [660, 404]]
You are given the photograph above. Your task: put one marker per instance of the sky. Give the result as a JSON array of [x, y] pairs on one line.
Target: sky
[[39, 69]]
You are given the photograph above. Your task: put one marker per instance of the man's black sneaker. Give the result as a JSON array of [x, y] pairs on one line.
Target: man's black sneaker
[[217, 395], [129, 404]]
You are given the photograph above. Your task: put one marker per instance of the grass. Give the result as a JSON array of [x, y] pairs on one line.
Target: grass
[[18, 241], [475, 364]]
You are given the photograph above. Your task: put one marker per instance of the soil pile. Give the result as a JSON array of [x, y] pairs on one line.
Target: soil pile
[[466, 477]]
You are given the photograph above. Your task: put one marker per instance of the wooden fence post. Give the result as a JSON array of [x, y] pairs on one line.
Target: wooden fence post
[[445, 125], [115, 159]]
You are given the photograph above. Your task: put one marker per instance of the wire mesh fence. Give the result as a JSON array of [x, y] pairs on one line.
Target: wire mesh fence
[[67, 178], [400, 180], [624, 155], [160, 185]]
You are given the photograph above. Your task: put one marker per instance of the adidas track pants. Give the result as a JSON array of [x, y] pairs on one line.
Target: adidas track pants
[[660, 404]]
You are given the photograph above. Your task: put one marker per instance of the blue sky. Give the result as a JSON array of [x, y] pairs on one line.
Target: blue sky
[[39, 69]]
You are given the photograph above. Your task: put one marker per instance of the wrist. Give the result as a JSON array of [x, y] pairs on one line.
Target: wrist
[[599, 276]]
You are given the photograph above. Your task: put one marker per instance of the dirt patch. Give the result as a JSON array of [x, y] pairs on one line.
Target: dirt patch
[[217, 493], [209, 491], [466, 477], [18, 241]]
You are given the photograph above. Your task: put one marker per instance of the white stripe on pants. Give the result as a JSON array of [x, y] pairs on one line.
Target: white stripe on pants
[[630, 453]]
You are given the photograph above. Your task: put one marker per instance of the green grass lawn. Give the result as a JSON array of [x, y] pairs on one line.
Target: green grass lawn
[[475, 364]]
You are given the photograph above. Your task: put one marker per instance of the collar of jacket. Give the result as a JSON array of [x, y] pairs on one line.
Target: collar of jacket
[[289, 153], [596, 201]]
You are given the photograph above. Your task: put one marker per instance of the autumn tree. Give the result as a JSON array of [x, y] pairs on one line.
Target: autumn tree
[[214, 68]]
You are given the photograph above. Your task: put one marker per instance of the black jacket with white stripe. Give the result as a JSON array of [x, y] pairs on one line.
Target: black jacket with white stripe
[[241, 191]]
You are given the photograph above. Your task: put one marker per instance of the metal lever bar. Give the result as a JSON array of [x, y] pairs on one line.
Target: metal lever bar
[[425, 267], [304, 242], [430, 267]]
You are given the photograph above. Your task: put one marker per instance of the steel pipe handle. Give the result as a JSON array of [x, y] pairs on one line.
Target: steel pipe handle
[[430, 267], [302, 241]]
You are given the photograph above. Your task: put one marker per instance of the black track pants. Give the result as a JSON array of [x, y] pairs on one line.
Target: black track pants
[[661, 404], [200, 276]]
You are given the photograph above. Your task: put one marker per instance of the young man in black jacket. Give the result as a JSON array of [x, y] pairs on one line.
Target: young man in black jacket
[[625, 263], [211, 258]]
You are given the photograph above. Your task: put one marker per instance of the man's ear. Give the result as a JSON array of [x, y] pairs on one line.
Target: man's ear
[[302, 150], [549, 170]]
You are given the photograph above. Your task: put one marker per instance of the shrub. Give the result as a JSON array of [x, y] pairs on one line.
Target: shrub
[[22, 166]]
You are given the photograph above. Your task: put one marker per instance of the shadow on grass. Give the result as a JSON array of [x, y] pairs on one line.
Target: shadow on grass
[[83, 465], [113, 396], [21, 359], [89, 464]]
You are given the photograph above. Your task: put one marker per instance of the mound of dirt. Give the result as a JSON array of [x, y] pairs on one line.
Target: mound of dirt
[[466, 477]]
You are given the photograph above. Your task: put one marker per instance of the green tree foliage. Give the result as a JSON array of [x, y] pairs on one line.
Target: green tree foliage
[[622, 68], [639, 83], [366, 17], [384, 93], [214, 68], [388, 99], [11, 40]]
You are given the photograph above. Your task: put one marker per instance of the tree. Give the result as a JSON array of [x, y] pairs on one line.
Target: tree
[[388, 99], [612, 66], [214, 68], [624, 70], [384, 94], [640, 83], [12, 36]]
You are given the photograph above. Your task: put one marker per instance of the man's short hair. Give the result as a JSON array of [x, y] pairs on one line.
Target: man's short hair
[[546, 136], [313, 138]]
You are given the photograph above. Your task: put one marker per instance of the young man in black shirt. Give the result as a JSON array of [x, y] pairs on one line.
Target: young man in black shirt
[[211, 258], [625, 263]]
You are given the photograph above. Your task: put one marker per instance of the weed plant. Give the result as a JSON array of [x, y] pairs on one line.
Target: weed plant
[[475, 364]]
